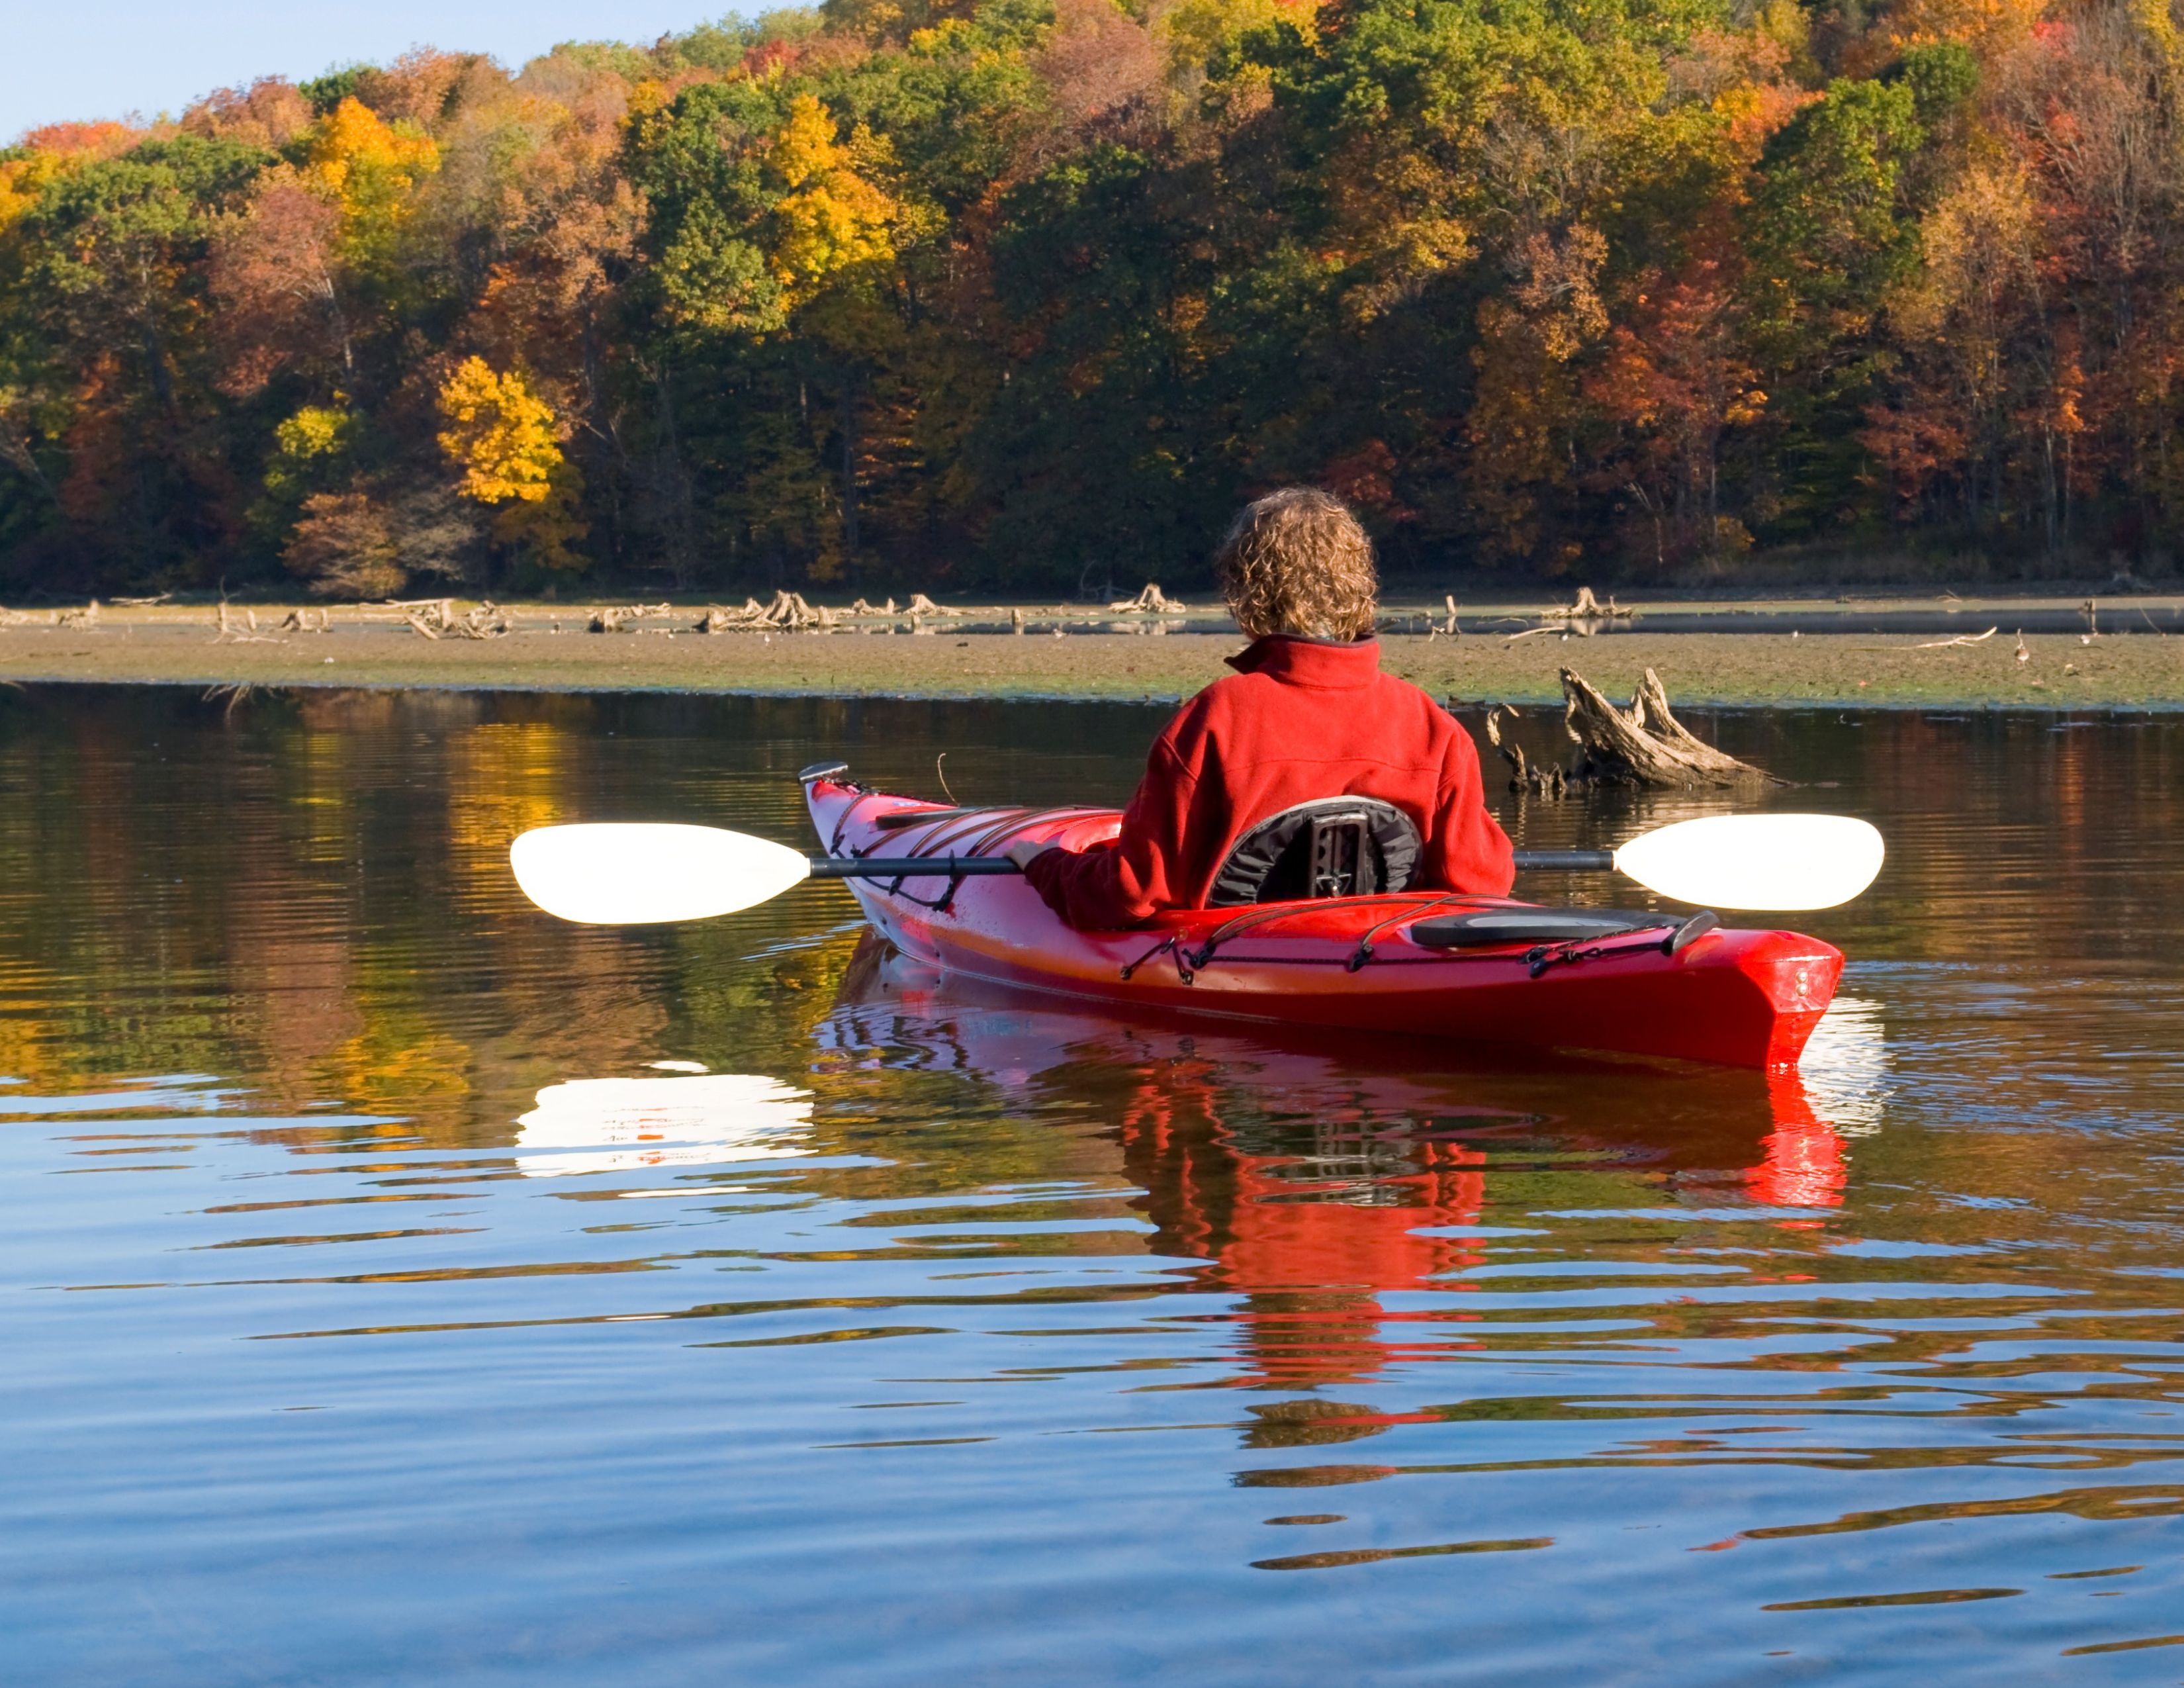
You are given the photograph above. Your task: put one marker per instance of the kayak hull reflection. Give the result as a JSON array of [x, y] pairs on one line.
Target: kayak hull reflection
[[1732, 997]]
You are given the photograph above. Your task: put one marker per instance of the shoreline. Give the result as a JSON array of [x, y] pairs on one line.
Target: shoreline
[[1147, 661]]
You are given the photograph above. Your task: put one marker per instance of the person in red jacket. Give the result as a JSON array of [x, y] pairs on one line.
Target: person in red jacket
[[1308, 714]]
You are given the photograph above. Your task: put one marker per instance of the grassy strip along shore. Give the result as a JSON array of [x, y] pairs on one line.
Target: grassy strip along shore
[[549, 649]]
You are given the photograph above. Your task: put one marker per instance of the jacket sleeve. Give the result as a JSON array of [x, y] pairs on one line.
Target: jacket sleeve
[[1114, 886], [1468, 851]]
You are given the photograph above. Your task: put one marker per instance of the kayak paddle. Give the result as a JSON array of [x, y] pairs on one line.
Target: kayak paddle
[[632, 873]]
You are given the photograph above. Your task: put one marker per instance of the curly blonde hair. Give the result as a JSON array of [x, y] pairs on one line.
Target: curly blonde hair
[[1296, 561]]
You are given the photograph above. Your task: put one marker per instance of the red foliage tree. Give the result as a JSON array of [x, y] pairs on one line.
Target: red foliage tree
[[277, 280]]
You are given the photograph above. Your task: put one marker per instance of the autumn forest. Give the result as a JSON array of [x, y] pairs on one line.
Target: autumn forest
[[1025, 294]]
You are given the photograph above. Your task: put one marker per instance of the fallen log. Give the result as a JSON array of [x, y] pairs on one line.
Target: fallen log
[[1949, 644]]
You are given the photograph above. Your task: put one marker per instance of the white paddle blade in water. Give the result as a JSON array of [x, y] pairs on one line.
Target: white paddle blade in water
[[630, 874], [1756, 861]]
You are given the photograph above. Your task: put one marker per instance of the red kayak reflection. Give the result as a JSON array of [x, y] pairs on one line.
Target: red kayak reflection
[[1316, 1177]]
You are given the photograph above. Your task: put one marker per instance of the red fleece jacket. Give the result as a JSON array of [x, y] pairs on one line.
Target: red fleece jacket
[[1300, 718]]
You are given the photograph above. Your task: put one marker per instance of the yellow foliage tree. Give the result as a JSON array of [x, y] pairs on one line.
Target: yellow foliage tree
[[1195, 30], [22, 180], [315, 432], [371, 168], [499, 433], [833, 217], [504, 439], [48, 154]]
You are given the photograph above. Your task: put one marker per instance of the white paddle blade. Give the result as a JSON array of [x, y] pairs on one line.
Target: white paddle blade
[[1756, 861], [631, 874]]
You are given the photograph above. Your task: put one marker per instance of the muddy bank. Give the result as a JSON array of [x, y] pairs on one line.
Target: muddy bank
[[2145, 668]]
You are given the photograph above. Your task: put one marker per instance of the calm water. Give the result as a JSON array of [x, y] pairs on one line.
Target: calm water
[[398, 1286]]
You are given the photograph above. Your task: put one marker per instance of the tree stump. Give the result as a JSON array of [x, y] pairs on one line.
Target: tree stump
[[1642, 745], [1151, 601], [1587, 608]]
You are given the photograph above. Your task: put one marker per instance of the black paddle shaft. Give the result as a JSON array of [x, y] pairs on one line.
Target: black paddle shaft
[[909, 866], [964, 867]]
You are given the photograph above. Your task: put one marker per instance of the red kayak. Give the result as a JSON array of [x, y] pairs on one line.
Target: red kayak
[[1456, 968]]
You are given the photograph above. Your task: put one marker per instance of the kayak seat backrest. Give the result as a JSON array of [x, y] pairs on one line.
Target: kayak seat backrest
[[1330, 847], [1534, 926]]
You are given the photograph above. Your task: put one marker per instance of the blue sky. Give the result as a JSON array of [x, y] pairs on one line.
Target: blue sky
[[97, 59]]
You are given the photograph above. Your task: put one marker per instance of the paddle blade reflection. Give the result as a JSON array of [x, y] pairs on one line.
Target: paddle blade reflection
[[610, 1125]]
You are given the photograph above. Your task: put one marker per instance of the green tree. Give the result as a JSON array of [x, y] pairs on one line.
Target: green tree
[[103, 285]]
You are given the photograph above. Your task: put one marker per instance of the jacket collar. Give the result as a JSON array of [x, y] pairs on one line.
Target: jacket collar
[[1320, 664]]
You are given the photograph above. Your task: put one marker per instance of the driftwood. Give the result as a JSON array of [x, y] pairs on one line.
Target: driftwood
[[1950, 643], [718, 620], [1149, 601], [432, 618], [611, 620], [788, 612], [141, 603], [485, 621], [245, 632], [1641, 745], [435, 618]]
